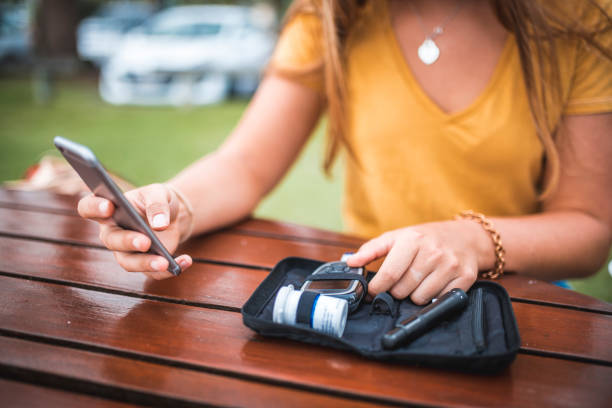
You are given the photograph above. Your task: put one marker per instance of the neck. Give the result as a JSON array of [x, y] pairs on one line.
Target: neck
[[433, 13], [438, 9]]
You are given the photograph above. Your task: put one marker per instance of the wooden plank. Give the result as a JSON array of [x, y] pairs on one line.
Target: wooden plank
[[286, 230], [40, 225], [228, 287], [257, 251], [529, 289], [132, 378], [222, 246], [217, 286], [217, 340], [43, 201], [569, 332], [18, 394], [149, 383], [38, 201]]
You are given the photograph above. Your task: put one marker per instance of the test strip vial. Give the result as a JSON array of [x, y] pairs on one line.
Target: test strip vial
[[323, 313]]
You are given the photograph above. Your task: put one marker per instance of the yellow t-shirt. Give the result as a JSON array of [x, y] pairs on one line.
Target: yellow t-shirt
[[414, 163]]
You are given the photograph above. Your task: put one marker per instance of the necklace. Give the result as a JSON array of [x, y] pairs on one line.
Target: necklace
[[429, 52]]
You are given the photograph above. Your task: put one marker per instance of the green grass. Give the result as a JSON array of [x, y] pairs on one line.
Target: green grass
[[146, 145], [598, 285]]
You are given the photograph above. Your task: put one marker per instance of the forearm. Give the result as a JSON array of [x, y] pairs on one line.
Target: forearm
[[549, 245], [220, 189], [227, 185]]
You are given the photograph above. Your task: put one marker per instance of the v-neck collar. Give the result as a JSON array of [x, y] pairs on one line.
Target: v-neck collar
[[404, 67]]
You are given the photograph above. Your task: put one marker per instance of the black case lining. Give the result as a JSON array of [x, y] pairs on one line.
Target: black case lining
[[483, 337]]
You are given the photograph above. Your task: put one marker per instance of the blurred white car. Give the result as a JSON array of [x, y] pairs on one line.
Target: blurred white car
[[189, 55], [99, 36]]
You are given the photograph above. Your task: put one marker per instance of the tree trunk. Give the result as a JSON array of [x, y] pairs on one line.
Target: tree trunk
[[55, 28]]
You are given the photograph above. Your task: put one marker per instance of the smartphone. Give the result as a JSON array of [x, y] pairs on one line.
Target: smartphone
[[82, 159]]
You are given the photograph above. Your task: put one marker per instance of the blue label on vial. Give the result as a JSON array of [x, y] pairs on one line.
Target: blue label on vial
[[314, 305]]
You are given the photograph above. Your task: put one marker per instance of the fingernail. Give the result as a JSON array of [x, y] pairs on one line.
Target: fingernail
[[157, 264], [104, 206], [159, 221], [139, 243]]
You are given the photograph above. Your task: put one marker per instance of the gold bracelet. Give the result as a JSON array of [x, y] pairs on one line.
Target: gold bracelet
[[500, 261], [188, 208]]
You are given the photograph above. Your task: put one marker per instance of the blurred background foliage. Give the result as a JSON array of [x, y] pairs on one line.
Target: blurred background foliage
[[49, 91]]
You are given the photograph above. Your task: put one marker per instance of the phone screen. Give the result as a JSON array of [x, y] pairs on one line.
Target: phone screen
[[334, 285]]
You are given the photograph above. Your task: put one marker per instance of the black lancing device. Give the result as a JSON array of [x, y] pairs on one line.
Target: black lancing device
[[409, 329]]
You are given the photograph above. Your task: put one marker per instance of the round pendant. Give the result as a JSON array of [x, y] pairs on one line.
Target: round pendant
[[428, 52]]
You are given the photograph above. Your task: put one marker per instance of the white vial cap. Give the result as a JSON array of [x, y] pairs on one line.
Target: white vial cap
[[280, 302]]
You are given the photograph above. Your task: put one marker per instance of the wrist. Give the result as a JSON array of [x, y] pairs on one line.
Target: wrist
[[482, 243], [185, 218], [185, 223], [488, 244]]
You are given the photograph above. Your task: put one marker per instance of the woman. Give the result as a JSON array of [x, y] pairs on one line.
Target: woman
[[501, 107]]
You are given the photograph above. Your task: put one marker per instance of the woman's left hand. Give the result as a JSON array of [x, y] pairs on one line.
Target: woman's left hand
[[427, 260]]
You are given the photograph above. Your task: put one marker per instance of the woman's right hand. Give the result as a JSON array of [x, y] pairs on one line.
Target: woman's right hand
[[162, 209]]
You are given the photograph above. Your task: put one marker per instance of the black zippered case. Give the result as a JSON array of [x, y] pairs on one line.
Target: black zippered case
[[482, 337]]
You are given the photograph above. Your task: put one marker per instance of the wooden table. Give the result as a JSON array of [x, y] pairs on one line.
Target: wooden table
[[76, 330]]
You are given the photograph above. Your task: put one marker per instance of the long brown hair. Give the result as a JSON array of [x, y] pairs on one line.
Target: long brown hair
[[535, 25]]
